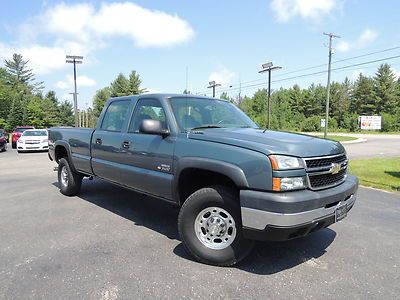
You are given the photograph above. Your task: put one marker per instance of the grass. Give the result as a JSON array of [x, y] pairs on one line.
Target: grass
[[339, 138], [381, 173]]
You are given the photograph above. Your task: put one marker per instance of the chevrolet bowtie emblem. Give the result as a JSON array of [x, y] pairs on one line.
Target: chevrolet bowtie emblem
[[335, 168]]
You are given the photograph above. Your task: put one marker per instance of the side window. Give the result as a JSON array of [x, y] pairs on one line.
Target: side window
[[115, 115], [147, 109]]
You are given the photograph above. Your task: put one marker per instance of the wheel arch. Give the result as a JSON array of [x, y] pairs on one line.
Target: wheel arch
[[194, 173]]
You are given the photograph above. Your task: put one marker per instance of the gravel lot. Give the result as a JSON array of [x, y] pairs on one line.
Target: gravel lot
[[111, 243]]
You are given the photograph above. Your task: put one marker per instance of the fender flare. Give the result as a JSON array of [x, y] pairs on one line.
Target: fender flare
[[229, 170], [67, 147]]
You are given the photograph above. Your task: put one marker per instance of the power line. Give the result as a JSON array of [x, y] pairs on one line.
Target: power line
[[243, 83], [313, 73]]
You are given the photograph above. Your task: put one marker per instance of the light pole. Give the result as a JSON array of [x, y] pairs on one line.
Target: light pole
[[268, 67], [212, 85], [75, 59]]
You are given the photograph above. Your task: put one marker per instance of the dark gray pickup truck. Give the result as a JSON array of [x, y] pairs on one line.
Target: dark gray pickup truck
[[234, 182]]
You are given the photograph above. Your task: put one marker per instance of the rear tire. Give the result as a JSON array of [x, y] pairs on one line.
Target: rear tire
[[70, 181], [210, 227]]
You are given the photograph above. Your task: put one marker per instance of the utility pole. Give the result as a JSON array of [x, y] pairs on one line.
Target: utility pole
[[212, 85], [75, 59], [240, 90], [328, 85], [268, 67]]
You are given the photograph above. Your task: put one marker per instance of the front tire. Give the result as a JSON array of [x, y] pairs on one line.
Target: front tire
[[210, 227], [69, 181]]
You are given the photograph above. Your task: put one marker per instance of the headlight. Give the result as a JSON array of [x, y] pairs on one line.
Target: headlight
[[20, 141], [288, 184], [45, 141], [282, 162]]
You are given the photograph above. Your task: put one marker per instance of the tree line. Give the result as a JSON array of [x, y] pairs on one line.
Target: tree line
[[295, 109], [301, 109], [22, 101]]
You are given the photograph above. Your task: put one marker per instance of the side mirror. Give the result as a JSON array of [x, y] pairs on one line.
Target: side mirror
[[150, 126]]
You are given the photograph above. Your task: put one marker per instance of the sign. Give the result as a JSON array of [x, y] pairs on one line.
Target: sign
[[322, 123], [370, 122]]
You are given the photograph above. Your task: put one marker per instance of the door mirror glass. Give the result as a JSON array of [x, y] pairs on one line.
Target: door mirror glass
[[150, 126]]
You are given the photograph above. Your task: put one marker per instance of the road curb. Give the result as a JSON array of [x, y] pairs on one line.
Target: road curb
[[380, 190], [359, 140]]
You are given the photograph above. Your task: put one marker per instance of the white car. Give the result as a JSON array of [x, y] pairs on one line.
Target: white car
[[33, 140]]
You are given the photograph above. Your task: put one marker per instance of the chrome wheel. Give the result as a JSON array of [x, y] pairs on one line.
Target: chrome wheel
[[215, 228], [64, 176]]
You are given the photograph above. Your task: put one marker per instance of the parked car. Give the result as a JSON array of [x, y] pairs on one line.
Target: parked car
[[3, 132], [33, 140], [3, 141], [233, 181], [17, 133]]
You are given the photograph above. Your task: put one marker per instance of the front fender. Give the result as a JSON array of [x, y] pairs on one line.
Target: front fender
[[232, 171]]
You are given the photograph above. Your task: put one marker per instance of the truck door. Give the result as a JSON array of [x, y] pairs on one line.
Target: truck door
[[107, 141], [148, 158]]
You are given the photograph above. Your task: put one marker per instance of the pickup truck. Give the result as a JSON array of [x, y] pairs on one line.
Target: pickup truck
[[233, 181]]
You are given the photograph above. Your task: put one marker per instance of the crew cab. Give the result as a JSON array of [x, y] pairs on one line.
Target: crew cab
[[233, 181]]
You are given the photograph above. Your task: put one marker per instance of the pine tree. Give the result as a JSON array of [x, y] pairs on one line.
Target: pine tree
[[134, 84], [363, 97], [17, 66], [385, 89], [16, 116], [100, 99], [65, 114], [120, 86]]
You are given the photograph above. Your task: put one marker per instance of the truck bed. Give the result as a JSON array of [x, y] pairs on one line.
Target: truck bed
[[79, 141]]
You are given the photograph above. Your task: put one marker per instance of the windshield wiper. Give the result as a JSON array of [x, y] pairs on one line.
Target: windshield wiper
[[205, 127]]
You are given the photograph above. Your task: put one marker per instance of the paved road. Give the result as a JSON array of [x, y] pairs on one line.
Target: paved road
[[111, 243], [377, 145]]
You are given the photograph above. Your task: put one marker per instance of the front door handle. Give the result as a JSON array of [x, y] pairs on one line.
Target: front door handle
[[126, 145], [98, 141]]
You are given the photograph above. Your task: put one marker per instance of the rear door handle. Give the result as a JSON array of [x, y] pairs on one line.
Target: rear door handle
[[98, 141], [126, 145]]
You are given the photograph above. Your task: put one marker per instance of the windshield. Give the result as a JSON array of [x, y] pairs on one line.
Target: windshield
[[192, 113], [21, 129], [35, 133]]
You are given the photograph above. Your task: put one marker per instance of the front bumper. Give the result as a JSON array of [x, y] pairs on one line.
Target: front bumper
[[32, 147], [283, 216]]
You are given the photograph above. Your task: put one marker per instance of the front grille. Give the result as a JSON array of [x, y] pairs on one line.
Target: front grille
[[326, 180], [320, 171], [325, 162]]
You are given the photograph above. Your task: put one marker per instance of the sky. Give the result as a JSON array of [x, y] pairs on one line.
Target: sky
[[174, 45]]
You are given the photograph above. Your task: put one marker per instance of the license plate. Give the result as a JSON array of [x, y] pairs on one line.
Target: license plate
[[340, 212]]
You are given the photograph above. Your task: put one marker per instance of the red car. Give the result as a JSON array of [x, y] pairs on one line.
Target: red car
[[17, 133]]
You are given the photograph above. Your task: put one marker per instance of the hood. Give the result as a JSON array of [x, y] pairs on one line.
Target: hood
[[270, 142]]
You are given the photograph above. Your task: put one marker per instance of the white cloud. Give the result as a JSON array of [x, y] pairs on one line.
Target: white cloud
[[81, 29], [146, 28], [151, 91], [81, 80], [61, 85], [222, 75], [366, 38], [305, 9]]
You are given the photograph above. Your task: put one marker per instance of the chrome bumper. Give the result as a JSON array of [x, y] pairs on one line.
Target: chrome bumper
[[259, 219]]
